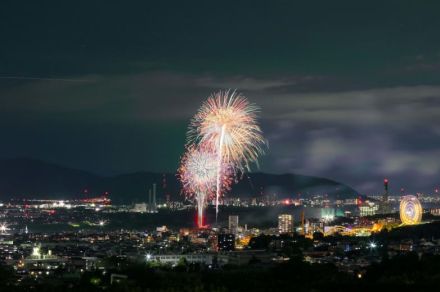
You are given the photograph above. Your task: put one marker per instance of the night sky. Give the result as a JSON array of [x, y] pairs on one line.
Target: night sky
[[348, 91]]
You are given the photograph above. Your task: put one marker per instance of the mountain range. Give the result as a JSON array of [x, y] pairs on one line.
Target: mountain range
[[30, 178]]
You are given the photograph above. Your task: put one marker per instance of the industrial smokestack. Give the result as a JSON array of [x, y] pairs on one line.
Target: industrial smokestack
[[149, 200], [154, 198]]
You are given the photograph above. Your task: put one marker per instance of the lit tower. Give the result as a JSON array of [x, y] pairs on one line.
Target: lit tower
[[385, 201], [385, 185]]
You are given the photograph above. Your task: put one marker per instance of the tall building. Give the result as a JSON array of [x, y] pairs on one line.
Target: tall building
[[385, 204], [233, 224], [285, 223], [226, 242], [385, 186]]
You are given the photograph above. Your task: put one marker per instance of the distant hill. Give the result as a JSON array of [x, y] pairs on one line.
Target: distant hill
[[27, 178], [30, 178]]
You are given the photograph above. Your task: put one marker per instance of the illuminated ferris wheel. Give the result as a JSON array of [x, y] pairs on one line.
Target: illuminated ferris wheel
[[410, 210]]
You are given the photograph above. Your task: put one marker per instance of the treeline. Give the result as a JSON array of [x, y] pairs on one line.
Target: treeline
[[404, 273]]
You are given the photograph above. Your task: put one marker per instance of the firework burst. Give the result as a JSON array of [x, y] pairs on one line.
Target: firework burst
[[198, 175], [226, 124]]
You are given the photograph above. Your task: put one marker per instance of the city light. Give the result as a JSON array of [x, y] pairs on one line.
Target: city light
[[3, 227]]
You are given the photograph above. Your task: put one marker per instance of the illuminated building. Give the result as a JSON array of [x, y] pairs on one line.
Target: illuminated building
[[368, 208], [243, 241], [162, 228], [435, 211], [349, 202], [38, 260], [285, 223], [233, 224], [328, 214], [184, 231], [410, 210], [139, 208], [174, 259], [226, 242]]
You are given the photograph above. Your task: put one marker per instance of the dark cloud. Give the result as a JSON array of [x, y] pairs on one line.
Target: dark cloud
[[347, 91], [121, 123]]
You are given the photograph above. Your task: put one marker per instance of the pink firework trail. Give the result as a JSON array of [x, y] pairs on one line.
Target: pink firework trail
[[198, 174]]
